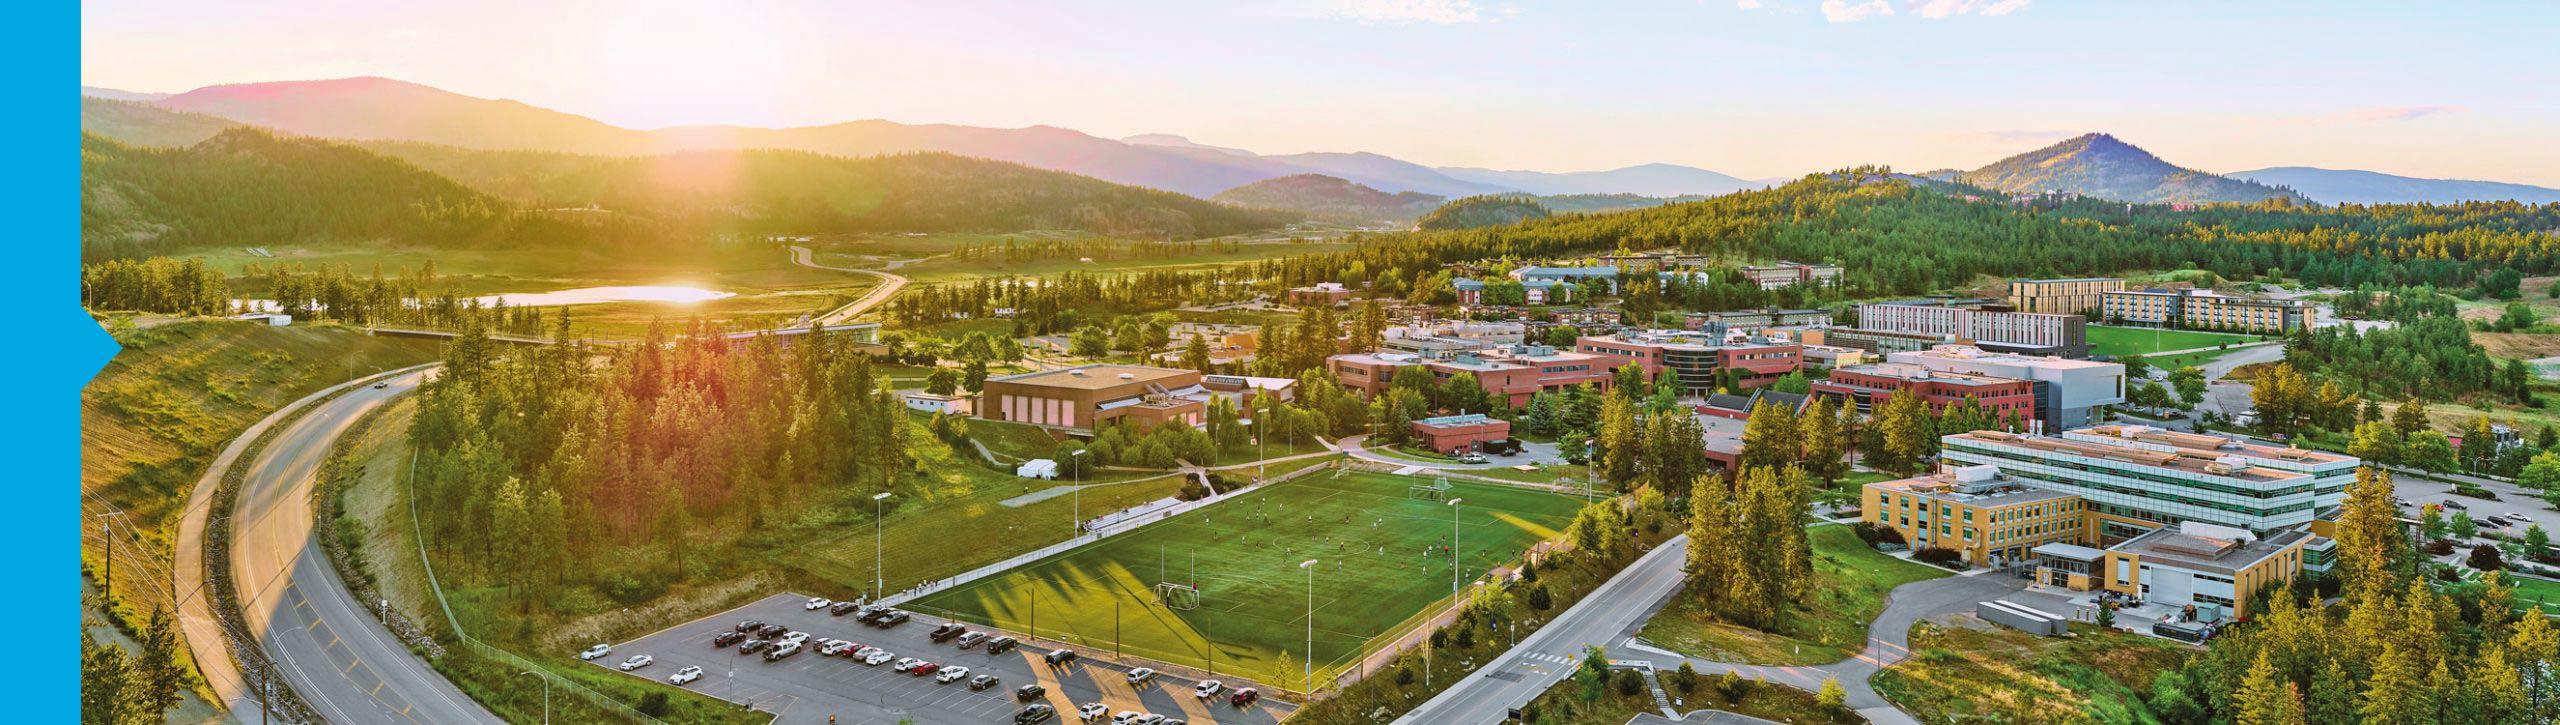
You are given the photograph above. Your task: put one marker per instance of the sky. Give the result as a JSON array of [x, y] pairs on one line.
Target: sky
[[1753, 88]]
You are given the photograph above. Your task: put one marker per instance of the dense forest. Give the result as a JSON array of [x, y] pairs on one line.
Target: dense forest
[[1330, 197], [1477, 212], [249, 187]]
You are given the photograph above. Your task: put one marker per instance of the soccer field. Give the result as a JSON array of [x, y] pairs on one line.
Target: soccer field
[[1382, 558], [2105, 340]]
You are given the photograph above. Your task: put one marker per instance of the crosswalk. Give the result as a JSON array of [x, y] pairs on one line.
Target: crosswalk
[[1553, 659]]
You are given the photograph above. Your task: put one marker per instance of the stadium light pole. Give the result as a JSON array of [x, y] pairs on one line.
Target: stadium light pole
[[1453, 548], [1310, 676], [1260, 451], [1078, 528], [879, 579]]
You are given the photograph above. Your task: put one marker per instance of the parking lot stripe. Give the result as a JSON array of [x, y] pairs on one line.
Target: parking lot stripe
[[1115, 690], [1193, 709]]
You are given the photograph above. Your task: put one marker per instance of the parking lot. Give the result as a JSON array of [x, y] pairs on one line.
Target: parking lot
[[810, 688]]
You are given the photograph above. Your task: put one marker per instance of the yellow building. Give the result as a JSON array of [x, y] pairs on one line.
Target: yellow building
[[2203, 565], [2204, 310], [1991, 519], [2062, 296]]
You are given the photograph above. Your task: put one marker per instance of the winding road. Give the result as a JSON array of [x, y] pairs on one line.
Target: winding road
[[890, 284]]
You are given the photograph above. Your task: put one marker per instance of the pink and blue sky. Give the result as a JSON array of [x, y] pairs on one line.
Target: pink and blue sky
[[1754, 88]]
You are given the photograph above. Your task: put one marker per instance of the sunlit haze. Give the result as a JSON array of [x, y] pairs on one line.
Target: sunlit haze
[[1756, 88]]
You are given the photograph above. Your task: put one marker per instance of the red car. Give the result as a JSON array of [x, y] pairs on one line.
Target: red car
[[925, 669], [1243, 697]]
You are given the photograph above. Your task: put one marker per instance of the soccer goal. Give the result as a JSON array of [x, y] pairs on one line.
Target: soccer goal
[[1178, 596], [1436, 490]]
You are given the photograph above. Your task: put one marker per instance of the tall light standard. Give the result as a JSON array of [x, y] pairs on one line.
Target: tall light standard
[[1078, 494], [1453, 548], [1258, 455], [879, 579], [546, 695], [1310, 681]]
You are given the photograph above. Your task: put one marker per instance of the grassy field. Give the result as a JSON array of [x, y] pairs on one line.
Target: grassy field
[[2105, 340], [1976, 671], [1574, 701], [1252, 617], [1850, 582]]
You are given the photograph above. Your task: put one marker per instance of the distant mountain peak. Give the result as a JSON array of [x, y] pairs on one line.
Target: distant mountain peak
[[2103, 166]]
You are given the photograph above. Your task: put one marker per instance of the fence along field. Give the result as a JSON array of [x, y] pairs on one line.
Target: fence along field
[[1382, 557]]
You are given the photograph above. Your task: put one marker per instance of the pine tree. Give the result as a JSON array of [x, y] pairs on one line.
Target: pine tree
[[2333, 695], [1621, 439], [2266, 699], [1903, 426], [2410, 417], [2370, 544], [1770, 437], [156, 669], [107, 686], [2396, 694], [1823, 441]]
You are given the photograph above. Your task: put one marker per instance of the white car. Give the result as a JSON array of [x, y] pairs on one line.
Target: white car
[[1127, 717], [877, 656], [685, 675], [948, 674], [1207, 688], [1092, 711], [1141, 675], [2520, 517], [817, 603], [596, 652], [636, 662], [906, 663], [795, 637]]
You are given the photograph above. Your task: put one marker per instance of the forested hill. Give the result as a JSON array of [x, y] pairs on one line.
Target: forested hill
[[1330, 197], [786, 192], [247, 187], [1491, 210], [2099, 165], [143, 124], [1898, 238]]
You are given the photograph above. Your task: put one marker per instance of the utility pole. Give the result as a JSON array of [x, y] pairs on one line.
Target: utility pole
[[879, 578], [1310, 675], [546, 692], [1453, 549]]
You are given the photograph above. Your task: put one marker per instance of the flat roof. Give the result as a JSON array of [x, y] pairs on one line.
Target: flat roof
[[1908, 371], [1977, 354], [1093, 377], [1942, 487], [2174, 547], [2190, 461], [2207, 442]]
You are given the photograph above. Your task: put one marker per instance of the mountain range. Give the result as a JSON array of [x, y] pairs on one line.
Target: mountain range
[[2348, 186], [1331, 197], [2099, 165]]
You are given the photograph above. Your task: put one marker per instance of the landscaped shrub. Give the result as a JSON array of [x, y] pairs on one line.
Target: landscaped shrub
[[1937, 555], [2486, 558], [1627, 682]]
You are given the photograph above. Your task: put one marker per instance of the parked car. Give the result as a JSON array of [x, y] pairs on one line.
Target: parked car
[[596, 652], [982, 682], [685, 675], [945, 632], [816, 603], [950, 674], [877, 656], [1470, 458], [834, 647], [1244, 697], [841, 608], [1148, 719], [905, 663], [1092, 711], [796, 637], [2495, 521], [1141, 675], [786, 649], [1034, 713], [1029, 692], [1060, 657], [725, 639], [870, 613], [972, 639], [893, 618], [1127, 717], [771, 631], [924, 669], [755, 645], [751, 625], [1000, 645], [2452, 504], [636, 662], [1207, 689], [2520, 517]]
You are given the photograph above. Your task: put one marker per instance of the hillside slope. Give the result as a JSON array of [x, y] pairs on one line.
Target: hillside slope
[[2101, 166], [248, 186], [2349, 186], [1476, 212], [1659, 180], [144, 124], [1330, 197]]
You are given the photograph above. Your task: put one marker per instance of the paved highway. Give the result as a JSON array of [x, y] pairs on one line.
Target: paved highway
[[889, 286], [326, 645], [1550, 654]]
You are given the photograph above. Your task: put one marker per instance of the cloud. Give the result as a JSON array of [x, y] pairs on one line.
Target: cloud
[[2383, 114], [1438, 12], [1842, 11], [1850, 11]]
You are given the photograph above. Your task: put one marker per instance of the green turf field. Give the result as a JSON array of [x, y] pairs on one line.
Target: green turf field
[[2105, 340], [1244, 555]]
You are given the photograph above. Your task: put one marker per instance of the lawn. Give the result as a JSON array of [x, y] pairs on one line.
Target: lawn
[[2542, 592], [2105, 340], [1978, 671], [1850, 583], [1580, 700], [1244, 555]]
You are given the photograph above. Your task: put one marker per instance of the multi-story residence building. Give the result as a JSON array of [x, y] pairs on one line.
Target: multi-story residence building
[[2068, 392], [1789, 274], [1699, 358], [1755, 319], [2077, 296], [2206, 310], [1515, 372], [2174, 518], [2020, 332], [1321, 294], [1871, 385]]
